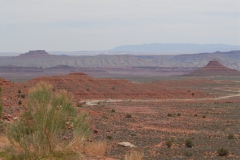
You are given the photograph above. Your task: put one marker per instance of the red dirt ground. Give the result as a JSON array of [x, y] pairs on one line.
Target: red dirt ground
[[160, 111], [84, 87]]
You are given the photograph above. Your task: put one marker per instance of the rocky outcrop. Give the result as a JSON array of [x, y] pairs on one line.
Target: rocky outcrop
[[214, 68], [4, 82]]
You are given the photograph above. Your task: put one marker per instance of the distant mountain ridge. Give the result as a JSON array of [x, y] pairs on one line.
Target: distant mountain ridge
[[176, 48], [229, 59]]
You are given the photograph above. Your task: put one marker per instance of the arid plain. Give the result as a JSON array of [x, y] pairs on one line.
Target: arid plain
[[184, 117]]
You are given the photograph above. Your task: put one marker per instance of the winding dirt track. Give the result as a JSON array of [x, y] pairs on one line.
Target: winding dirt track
[[95, 102]]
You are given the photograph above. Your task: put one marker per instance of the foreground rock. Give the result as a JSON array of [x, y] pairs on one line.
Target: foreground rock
[[126, 144]]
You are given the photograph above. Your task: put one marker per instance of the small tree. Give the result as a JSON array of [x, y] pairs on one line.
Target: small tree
[[48, 118]]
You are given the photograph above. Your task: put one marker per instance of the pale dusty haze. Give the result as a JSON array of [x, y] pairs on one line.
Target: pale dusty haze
[[70, 25]]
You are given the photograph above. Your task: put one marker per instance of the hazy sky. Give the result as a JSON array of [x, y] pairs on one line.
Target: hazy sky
[[70, 25]]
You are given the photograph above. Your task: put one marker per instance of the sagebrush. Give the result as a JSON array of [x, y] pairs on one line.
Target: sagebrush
[[49, 124]]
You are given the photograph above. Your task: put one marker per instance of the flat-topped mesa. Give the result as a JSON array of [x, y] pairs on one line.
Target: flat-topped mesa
[[35, 53], [214, 68]]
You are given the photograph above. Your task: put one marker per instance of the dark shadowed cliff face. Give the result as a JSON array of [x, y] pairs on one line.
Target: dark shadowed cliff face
[[214, 68]]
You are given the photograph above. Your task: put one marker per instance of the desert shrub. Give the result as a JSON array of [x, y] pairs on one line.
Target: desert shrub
[[134, 155], [231, 136], [189, 143], [128, 115], [109, 137], [22, 95], [104, 116], [19, 91], [188, 153], [133, 134], [79, 105], [113, 110], [195, 115], [19, 102], [203, 116], [44, 124], [179, 114], [169, 115], [222, 152], [169, 143]]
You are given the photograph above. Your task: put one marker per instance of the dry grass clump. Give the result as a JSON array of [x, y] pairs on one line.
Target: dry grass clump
[[134, 155], [97, 148], [4, 142], [49, 126]]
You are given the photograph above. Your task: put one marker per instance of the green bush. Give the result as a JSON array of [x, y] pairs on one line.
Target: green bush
[[19, 102], [222, 152], [169, 115], [109, 137], [169, 143], [128, 115], [104, 116], [79, 105], [22, 95], [188, 153], [46, 121], [189, 143], [231, 136]]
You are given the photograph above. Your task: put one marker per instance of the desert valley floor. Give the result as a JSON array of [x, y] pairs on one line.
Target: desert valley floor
[[150, 114]]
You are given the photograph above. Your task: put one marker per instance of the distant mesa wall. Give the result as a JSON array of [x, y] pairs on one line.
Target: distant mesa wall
[[214, 68], [35, 53], [17, 69]]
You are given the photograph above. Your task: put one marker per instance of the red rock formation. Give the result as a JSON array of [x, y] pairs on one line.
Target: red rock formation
[[4, 82], [85, 87], [214, 68]]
